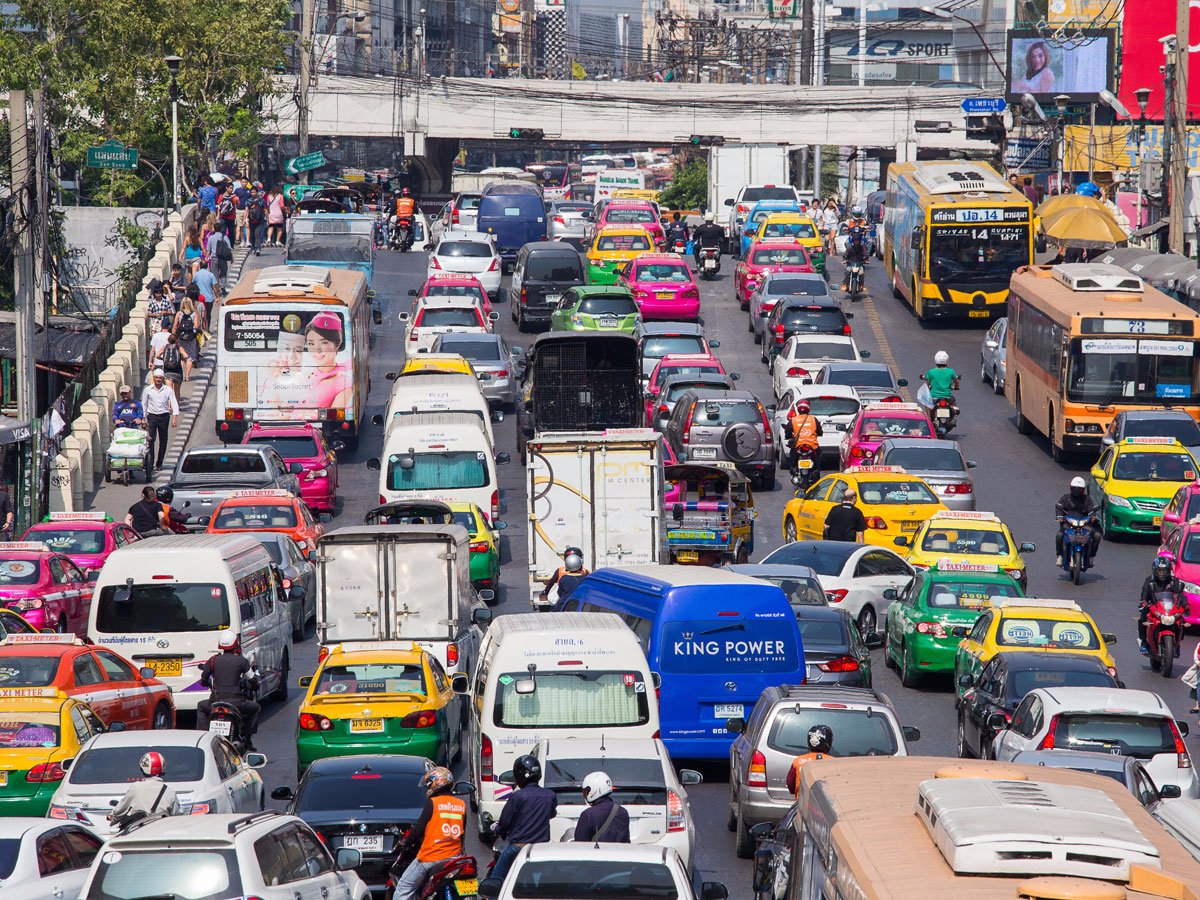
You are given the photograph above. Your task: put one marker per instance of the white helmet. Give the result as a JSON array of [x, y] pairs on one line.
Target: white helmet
[[941, 358], [709, 217], [228, 639], [1078, 482], [595, 786]]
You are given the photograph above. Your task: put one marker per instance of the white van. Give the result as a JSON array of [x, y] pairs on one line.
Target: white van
[[430, 392], [439, 456], [552, 675], [165, 601]]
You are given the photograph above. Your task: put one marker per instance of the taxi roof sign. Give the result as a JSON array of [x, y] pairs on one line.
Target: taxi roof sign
[[263, 492], [40, 639], [883, 406], [49, 693], [950, 565], [95, 516], [1151, 439], [1035, 603], [30, 546], [878, 470], [966, 514]]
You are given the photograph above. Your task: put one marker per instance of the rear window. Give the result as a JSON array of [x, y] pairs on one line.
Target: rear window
[[635, 781], [181, 874], [222, 464], [855, 733], [656, 347], [582, 698], [967, 594], [932, 459], [675, 391], [1184, 431], [264, 515], [448, 318], [789, 229], [798, 318], [824, 634], [372, 678], [28, 671], [608, 306], [454, 290], [1141, 737], [824, 560], [833, 406], [895, 426], [24, 730], [70, 540], [593, 879], [509, 206], [1052, 634], [446, 470], [781, 256], [1023, 681], [483, 351], [362, 790], [465, 248], [20, 571], [572, 207], [299, 447], [539, 267], [623, 242], [895, 492], [119, 765], [861, 377], [797, 287], [661, 272], [629, 216], [713, 413], [754, 194], [728, 644], [799, 591], [468, 202]]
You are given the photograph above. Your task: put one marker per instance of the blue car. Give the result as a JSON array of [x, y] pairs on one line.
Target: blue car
[[758, 212], [515, 213]]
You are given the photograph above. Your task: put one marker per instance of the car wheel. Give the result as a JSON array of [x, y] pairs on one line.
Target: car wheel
[[298, 631], [743, 844], [280, 694], [983, 372], [867, 620], [731, 817], [789, 530], [162, 717], [887, 650], [997, 382], [964, 752], [908, 675], [763, 354]]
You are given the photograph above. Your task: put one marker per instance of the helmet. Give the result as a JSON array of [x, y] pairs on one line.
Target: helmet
[[1088, 189], [404, 192], [573, 559], [941, 358], [436, 779], [1161, 568], [709, 217], [1078, 482], [152, 764], [164, 494], [228, 640], [803, 407], [820, 739], [856, 211], [527, 770], [595, 786], [396, 192]]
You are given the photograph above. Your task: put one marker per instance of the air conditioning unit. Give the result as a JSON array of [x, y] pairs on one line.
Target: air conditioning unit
[[1098, 277], [959, 177], [298, 278]]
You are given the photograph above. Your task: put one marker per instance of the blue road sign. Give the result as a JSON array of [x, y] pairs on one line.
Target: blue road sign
[[983, 105]]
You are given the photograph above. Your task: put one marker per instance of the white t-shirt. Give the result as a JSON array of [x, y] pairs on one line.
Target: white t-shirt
[[158, 341], [829, 217]]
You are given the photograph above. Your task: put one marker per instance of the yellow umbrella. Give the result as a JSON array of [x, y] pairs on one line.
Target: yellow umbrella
[[1088, 229], [1056, 204]]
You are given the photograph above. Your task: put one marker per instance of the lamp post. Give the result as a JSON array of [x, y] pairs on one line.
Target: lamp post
[[173, 62], [1143, 97], [946, 14], [1060, 102]]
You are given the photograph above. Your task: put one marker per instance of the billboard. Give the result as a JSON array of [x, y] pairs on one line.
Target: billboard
[[1115, 146], [1081, 12], [1145, 22], [1080, 65]]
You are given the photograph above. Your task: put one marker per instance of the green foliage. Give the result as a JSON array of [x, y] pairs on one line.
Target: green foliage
[[689, 185], [133, 239]]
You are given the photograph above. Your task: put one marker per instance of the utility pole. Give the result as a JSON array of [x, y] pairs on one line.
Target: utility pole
[[808, 63], [1168, 141], [25, 287], [1179, 136], [307, 27], [41, 235]]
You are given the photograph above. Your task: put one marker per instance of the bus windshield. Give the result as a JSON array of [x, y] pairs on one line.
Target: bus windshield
[[977, 254], [1125, 370]]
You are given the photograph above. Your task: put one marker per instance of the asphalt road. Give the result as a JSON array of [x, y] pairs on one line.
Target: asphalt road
[[1015, 479]]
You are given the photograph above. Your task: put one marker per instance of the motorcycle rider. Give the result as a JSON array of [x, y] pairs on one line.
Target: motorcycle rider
[[942, 380], [567, 576], [1161, 580], [228, 674], [805, 429], [710, 234], [856, 243], [604, 819], [676, 231], [820, 745], [437, 834], [406, 208], [147, 797], [1078, 503], [173, 519], [527, 812]]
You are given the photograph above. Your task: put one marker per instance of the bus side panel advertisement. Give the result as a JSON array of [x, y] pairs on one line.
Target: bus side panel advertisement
[[714, 646]]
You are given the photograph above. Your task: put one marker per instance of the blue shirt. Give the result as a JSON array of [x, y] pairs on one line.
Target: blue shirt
[[206, 282], [208, 197], [526, 816], [126, 412], [243, 194], [591, 822]]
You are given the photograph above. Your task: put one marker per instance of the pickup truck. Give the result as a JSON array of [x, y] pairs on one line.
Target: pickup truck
[[204, 476]]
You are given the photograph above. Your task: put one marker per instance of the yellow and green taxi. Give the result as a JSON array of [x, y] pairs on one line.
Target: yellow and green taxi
[[893, 502], [369, 698], [40, 728], [920, 621], [451, 363], [974, 537], [485, 543], [612, 247], [799, 226], [1029, 624], [1134, 479]]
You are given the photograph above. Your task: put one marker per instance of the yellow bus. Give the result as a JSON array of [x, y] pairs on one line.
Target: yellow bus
[[953, 234], [1087, 341], [924, 828]]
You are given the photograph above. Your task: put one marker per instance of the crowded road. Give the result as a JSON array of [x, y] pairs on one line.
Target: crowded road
[[1015, 478]]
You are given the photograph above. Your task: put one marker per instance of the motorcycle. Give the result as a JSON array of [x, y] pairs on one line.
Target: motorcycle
[[710, 262], [400, 236], [854, 279], [456, 878], [679, 246], [1077, 545], [381, 231], [945, 415], [806, 467], [1164, 631], [226, 720]]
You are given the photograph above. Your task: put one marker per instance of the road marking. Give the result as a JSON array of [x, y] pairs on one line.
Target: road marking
[[885, 348]]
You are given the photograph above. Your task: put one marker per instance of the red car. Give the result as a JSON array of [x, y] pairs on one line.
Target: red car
[[876, 423], [303, 443], [453, 286], [45, 587], [85, 538], [772, 255], [632, 212], [677, 364]]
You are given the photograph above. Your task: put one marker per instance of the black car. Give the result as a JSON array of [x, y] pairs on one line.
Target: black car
[[367, 803], [834, 651], [989, 700], [801, 315], [542, 273], [776, 846]]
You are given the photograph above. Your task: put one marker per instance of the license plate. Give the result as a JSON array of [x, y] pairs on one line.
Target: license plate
[[1158, 520], [703, 453], [909, 526], [166, 668], [370, 842], [804, 464], [608, 322], [978, 314], [688, 556], [942, 413], [466, 886], [710, 264], [553, 298], [729, 711], [366, 726], [223, 727], [664, 295]]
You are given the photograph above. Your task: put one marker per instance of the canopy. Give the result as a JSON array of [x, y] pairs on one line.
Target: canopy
[[1059, 202], [12, 430], [1125, 256], [1084, 228]]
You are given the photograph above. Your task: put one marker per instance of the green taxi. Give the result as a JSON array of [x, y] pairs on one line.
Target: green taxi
[[485, 543], [599, 308], [918, 628]]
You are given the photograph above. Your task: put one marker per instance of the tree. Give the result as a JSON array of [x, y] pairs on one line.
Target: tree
[[689, 185]]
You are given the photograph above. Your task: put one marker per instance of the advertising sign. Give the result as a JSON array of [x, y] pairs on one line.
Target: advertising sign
[[1024, 155], [899, 46], [1079, 66], [1081, 12], [1116, 146], [1145, 23], [611, 180]]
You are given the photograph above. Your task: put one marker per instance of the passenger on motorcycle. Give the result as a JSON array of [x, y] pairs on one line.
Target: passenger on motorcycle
[[1078, 503], [856, 242], [437, 835], [147, 797], [677, 231], [710, 234], [942, 380], [1161, 580], [230, 675], [127, 412], [604, 819], [567, 576], [173, 519], [526, 816], [805, 430]]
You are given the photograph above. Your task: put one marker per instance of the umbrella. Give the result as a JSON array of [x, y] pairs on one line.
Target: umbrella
[[1056, 204], [1086, 229]]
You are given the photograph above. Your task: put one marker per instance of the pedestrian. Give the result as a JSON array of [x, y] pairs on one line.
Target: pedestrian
[[162, 408], [220, 254], [178, 284], [256, 215], [829, 223], [211, 224], [241, 190], [275, 215], [227, 213], [186, 327], [146, 517], [159, 305], [6, 514], [171, 359], [159, 341], [845, 522], [193, 248], [205, 284], [207, 195]]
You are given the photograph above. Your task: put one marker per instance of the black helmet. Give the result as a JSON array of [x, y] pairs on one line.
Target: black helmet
[[1161, 568], [820, 739], [527, 770], [164, 494]]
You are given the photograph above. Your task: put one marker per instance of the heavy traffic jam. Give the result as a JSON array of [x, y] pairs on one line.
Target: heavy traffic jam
[[503, 563]]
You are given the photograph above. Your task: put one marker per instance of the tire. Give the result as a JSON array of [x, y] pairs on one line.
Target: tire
[[887, 650], [964, 751], [983, 373], [1168, 654], [742, 557], [758, 338], [743, 844], [997, 383], [731, 817], [908, 677], [1076, 568], [789, 530], [162, 717], [280, 694], [868, 621]]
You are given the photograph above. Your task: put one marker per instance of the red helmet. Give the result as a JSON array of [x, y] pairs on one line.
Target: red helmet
[[152, 764], [803, 406], [404, 192]]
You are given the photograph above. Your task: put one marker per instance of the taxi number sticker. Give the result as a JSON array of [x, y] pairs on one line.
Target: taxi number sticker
[[972, 599], [466, 886], [3, 779], [366, 726], [171, 667], [1158, 520]]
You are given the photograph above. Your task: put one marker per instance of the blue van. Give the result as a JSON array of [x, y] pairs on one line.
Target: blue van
[[515, 213], [717, 640]]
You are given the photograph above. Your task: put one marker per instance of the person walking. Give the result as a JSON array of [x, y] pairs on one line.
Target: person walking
[[256, 216], [159, 341], [171, 359], [207, 195], [186, 327], [275, 216], [845, 522], [241, 191], [227, 214], [160, 304], [162, 408], [193, 249], [829, 224], [220, 254]]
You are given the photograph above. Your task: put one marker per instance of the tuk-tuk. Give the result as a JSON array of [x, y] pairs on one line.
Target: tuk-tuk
[[710, 514]]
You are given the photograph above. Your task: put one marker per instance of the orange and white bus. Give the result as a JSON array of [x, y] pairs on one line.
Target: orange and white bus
[[1087, 341]]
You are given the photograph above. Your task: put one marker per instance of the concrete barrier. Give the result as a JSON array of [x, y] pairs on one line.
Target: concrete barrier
[[136, 332], [73, 450], [61, 498], [84, 431], [101, 423], [125, 354]]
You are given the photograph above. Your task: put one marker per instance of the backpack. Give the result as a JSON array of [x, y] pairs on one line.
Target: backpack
[[171, 360], [225, 210], [187, 328], [255, 212]]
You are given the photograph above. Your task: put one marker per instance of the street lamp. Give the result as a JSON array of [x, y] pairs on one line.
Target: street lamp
[[1060, 103], [1143, 97], [173, 62], [946, 14]]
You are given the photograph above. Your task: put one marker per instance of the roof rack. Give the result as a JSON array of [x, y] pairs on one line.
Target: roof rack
[[252, 819]]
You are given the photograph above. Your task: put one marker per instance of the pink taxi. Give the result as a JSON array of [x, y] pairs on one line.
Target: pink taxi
[[85, 538], [452, 285], [44, 587], [771, 255], [632, 212], [302, 442], [1184, 507], [1182, 547], [678, 364], [876, 423], [663, 286]]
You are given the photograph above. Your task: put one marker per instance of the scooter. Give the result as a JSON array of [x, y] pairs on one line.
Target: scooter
[[710, 262], [945, 415], [226, 720], [679, 246], [1164, 632], [1077, 545], [400, 236], [456, 878], [854, 279], [806, 467]]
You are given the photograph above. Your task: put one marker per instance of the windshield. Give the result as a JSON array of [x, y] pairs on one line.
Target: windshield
[[28, 671], [299, 447], [245, 515], [855, 732], [345, 248], [978, 254], [223, 464], [623, 242], [71, 540], [1022, 681], [833, 406], [895, 492], [372, 678], [543, 267], [120, 765], [1108, 370], [635, 781], [454, 317], [29, 729], [444, 470], [781, 256], [709, 412], [1191, 548], [984, 541], [1141, 737], [822, 559], [593, 879], [861, 377], [475, 351], [789, 229], [570, 207], [663, 272], [895, 426], [20, 571], [585, 698], [922, 459], [1181, 429], [609, 306], [466, 520], [362, 790], [1029, 631], [967, 594], [728, 645], [476, 249], [159, 872], [754, 194], [1134, 466], [154, 608], [655, 347], [798, 287]]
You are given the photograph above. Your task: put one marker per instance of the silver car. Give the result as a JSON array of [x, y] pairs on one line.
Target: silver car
[[494, 361], [569, 221], [724, 426], [993, 358], [939, 463], [875, 381], [296, 569], [659, 339]]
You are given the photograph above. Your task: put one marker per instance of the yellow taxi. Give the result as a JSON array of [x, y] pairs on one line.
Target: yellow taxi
[[612, 247], [1135, 478], [1026, 623], [799, 226], [366, 698], [452, 363], [893, 502], [967, 537], [40, 727]]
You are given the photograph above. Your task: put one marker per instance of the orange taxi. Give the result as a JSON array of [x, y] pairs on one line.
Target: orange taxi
[[109, 683], [268, 510]]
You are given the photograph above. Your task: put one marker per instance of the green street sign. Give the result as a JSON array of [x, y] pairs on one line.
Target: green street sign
[[305, 163], [112, 155]]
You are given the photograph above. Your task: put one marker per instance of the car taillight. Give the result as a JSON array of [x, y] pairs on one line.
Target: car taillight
[[856, 452], [894, 398], [433, 263], [964, 488], [797, 372], [560, 220], [502, 373], [495, 505], [454, 216], [422, 718], [200, 809], [452, 654], [1182, 760], [675, 818], [382, 499], [495, 266], [524, 296], [314, 722], [479, 546], [485, 758], [840, 664], [846, 329], [1048, 740], [837, 595], [664, 410], [768, 436], [58, 812], [876, 522], [756, 776], [934, 628]]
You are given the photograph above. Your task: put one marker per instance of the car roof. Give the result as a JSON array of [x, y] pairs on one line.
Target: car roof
[[19, 826], [219, 828], [757, 570], [553, 248], [347, 765], [706, 379], [820, 693], [258, 449], [1088, 760], [1050, 660], [451, 278], [828, 613], [849, 365], [469, 337], [582, 852], [825, 301], [846, 547], [793, 276], [683, 329], [443, 302], [584, 291], [586, 748], [1154, 414], [818, 391], [462, 235], [284, 429], [168, 737], [724, 396], [1119, 701]]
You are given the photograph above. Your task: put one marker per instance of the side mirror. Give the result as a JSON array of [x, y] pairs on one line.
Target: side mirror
[[900, 541], [483, 616], [404, 317], [489, 888], [503, 459], [282, 793], [729, 202], [348, 859], [891, 594], [499, 525], [324, 518], [204, 520], [873, 641], [735, 726], [304, 681], [493, 316], [735, 376], [1027, 547], [1108, 637], [997, 721], [1170, 792], [971, 464], [296, 593], [714, 344], [1183, 727], [256, 760], [116, 726], [912, 733], [377, 316], [146, 672], [902, 382], [713, 890], [966, 682], [373, 464], [507, 777], [850, 315], [412, 292], [497, 415], [460, 683], [690, 776], [762, 830], [463, 789], [959, 631], [864, 354]]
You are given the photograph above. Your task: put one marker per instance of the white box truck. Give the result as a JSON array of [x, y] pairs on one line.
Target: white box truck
[[599, 491], [733, 166]]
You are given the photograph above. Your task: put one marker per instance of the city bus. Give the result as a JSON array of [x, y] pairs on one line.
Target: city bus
[[947, 829], [333, 240], [294, 346], [953, 234], [1087, 341], [555, 178]]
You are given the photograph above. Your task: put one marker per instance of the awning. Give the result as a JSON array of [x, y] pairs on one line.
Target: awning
[[12, 430], [54, 346], [1150, 229]]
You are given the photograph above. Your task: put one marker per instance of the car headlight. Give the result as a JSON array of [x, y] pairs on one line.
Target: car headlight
[[1117, 501], [1190, 587]]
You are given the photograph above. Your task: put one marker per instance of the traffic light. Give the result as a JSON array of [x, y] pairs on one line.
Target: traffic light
[[526, 134], [706, 140], [986, 128]]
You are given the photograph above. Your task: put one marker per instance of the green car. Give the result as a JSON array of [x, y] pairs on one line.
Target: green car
[[920, 620], [485, 543], [596, 309]]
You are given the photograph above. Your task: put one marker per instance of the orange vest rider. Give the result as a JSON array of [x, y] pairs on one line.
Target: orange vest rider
[[793, 776], [443, 838], [805, 429], [405, 207]]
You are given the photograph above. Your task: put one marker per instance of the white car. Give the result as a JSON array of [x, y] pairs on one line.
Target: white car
[[645, 784], [461, 252], [803, 355], [834, 405], [41, 859], [206, 773], [862, 579], [1104, 720], [443, 315], [265, 855]]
